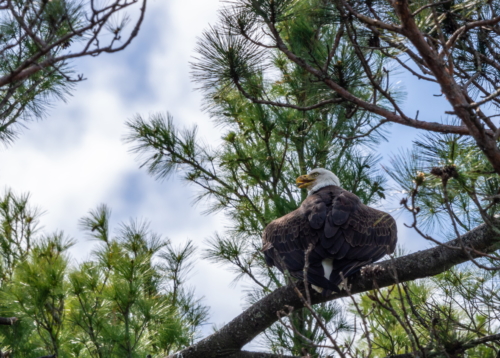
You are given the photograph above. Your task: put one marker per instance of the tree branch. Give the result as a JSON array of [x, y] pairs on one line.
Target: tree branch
[[456, 35], [372, 22], [285, 105], [458, 349], [449, 86], [416, 12], [247, 354], [229, 340], [342, 92], [33, 64]]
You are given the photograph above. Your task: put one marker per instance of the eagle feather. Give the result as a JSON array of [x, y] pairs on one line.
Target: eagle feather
[[344, 233]]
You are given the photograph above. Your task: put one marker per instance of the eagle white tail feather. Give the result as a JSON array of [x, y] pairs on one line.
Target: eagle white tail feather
[[327, 267]]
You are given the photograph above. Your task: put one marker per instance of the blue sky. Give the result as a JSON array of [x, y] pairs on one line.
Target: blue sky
[[75, 159]]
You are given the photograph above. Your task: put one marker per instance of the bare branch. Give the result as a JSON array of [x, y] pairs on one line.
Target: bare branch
[[372, 22], [457, 34], [486, 99], [419, 10]]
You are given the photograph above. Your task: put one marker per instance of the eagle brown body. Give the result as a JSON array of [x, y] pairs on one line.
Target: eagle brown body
[[340, 228]]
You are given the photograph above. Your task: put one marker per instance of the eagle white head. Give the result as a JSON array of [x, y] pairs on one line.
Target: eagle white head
[[316, 179]]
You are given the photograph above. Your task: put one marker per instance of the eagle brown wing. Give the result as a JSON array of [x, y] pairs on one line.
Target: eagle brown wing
[[339, 227]]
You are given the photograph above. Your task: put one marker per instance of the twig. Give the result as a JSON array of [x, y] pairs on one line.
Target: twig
[[305, 270], [416, 12]]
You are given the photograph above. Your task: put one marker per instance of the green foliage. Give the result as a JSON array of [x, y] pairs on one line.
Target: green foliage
[[36, 296], [450, 180], [129, 299], [19, 225], [38, 40], [21, 101], [444, 315], [451, 16]]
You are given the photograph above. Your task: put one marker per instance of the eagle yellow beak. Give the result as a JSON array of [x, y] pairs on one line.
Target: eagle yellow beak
[[304, 181]]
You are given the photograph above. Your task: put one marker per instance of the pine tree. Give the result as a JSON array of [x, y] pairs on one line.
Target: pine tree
[[38, 41], [251, 175], [301, 84], [128, 300]]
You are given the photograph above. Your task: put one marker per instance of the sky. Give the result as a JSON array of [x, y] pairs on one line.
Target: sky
[[76, 158]]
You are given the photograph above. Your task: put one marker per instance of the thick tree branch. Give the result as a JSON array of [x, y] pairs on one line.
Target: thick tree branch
[[459, 348], [247, 354], [442, 71], [233, 336]]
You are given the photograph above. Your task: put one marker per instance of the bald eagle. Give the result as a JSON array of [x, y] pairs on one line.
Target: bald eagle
[[345, 234]]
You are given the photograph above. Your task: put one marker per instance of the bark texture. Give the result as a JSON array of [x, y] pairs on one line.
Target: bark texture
[[229, 340]]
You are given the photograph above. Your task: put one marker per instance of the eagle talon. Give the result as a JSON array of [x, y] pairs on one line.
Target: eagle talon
[[343, 285]]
